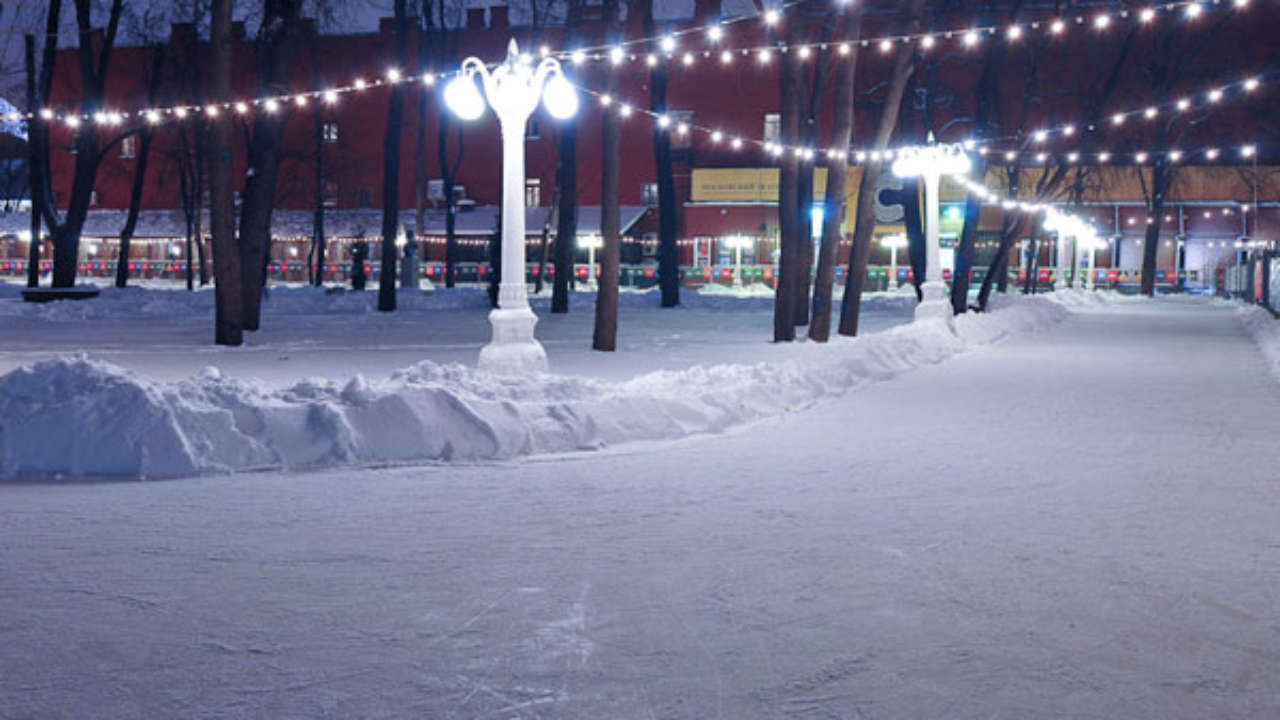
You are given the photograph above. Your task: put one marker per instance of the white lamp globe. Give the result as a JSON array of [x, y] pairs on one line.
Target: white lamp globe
[[560, 98], [463, 98]]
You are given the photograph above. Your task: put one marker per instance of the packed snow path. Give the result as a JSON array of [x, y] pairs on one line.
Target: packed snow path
[[1083, 522]]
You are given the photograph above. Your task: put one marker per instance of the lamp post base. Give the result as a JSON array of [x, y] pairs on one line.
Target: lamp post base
[[935, 303], [513, 349]]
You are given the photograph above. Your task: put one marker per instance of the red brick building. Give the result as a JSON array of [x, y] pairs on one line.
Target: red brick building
[[739, 99]]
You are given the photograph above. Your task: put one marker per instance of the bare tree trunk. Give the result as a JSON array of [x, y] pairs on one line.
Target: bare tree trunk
[[605, 334], [391, 167], [668, 255], [864, 226], [275, 49], [315, 261], [135, 204], [837, 171], [791, 227], [567, 220], [544, 241], [228, 293], [35, 134], [1151, 240]]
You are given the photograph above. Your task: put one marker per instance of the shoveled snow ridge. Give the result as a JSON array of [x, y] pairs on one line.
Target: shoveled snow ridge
[[1265, 330], [77, 417]]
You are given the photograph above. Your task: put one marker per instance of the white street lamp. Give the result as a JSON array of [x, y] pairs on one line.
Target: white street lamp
[[894, 243], [591, 243], [737, 242], [930, 162], [1093, 243], [512, 89]]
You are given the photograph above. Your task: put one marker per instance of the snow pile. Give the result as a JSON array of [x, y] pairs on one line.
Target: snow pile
[[1080, 298], [74, 416], [1265, 330]]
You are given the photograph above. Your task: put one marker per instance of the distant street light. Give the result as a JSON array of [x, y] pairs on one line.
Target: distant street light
[[894, 243], [930, 162], [512, 89], [737, 243], [591, 243]]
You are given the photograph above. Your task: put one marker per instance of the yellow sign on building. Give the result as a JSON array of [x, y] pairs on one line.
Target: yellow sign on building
[[745, 185]]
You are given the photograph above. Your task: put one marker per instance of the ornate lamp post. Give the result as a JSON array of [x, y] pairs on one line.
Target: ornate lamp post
[[513, 90], [930, 162], [894, 243]]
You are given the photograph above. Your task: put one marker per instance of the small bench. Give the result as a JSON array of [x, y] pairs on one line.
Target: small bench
[[44, 295]]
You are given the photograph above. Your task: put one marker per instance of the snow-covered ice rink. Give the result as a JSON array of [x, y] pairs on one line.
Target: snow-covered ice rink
[[1077, 522]]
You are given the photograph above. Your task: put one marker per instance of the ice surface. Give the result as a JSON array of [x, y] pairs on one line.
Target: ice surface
[[1075, 523]]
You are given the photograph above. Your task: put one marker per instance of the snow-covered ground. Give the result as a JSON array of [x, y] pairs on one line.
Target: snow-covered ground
[[167, 334], [1077, 522], [77, 417]]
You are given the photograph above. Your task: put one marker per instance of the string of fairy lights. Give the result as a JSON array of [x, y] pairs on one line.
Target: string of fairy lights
[[667, 46]]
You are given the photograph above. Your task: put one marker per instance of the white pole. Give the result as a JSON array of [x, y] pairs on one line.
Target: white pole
[[737, 261], [1093, 252], [591, 263], [893, 267], [933, 291]]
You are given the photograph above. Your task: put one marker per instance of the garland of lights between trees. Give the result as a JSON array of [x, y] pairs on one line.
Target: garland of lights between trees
[[668, 45]]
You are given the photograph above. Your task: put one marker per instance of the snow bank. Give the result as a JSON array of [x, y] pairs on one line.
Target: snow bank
[[74, 416], [1265, 330]]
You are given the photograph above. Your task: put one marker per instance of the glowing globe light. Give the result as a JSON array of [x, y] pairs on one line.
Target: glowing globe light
[[463, 98], [560, 98]]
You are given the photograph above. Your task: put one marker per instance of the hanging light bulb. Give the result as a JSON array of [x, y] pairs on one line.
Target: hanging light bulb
[[616, 55], [927, 42], [560, 97], [1104, 157], [668, 43], [726, 57], [624, 110], [771, 17], [1102, 21], [1215, 95], [971, 38], [886, 45], [714, 33], [1140, 158], [1057, 27], [1211, 154], [764, 57], [1194, 10], [716, 135], [1014, 32], [1147, 15], [393, 75], [463, 97], [606, 99], [1250, 85]]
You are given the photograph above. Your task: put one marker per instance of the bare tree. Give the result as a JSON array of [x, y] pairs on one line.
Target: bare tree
[[145, 135], [275, 44], [90, 150], [865, 221], [668, 257], [605, 335], [228, 292], [391, 167], [835, 200]]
